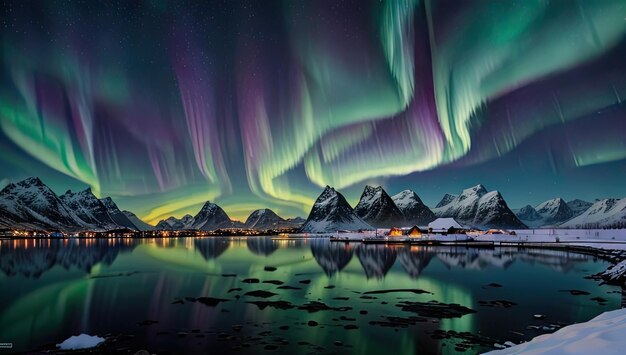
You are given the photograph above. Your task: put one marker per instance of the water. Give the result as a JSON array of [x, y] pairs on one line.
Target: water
[[52, 289]]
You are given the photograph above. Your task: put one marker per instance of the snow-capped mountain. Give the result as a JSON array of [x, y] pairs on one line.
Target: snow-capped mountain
[[330, 213], [264, 219], [8, 220], [475, 207], [378, 209], [173, 223], [447, 198], [212, 217], [31, 204], [209, 218], [116, 215], [141, 225], [607, 213], [414, 210], [89, 209], [554, 211], [528, 213], [578, 206], [529, 216]]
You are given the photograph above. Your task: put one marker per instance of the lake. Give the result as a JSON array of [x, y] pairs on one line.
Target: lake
[[249, 295]]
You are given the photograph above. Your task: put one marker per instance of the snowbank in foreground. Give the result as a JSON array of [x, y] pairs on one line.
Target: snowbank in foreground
[[605, 334], [83, 341]]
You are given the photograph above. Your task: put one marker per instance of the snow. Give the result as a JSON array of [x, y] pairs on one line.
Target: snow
[[578, 206], [476, 207], [83, 341], [444, 223], [447, 198], [266, 219], [405, 199], [141, 225], [603, 213], [554, 211], [605, 334], [330, 213]]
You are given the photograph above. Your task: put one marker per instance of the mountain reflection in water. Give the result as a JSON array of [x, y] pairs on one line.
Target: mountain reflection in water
[[194, 295], [31, 258]]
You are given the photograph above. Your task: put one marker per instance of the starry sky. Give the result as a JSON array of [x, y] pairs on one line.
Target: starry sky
[[166, 104]]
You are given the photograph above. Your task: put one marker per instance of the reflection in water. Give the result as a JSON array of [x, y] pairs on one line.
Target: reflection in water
[[332, 257], [474, 258], [376, 259], [162, 279], [479, 259], [263, 246], [211, 247], [414, 259], [31, 258]]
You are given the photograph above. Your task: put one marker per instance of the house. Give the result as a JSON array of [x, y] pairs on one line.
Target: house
[[395, 232], [414, 232], [445, 226]]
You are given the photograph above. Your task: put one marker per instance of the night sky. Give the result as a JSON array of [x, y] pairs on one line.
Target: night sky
[[166, 104]]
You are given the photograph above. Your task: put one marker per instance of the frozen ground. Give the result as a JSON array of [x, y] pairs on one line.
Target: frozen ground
[[605, 334]]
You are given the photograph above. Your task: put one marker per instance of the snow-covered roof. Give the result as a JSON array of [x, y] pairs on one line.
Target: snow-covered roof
[[444, 223]]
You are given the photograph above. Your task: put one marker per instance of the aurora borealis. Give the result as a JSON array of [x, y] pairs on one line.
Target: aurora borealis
[[165, 104]]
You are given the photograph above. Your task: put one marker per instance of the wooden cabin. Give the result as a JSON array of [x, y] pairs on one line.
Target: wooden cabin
[[414, 232], [395, 232]]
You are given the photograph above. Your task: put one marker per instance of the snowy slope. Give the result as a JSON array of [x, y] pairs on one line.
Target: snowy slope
[[414, 210], [116, 215], [447, 198], [173, 223], [209, 218], [554, 211], [529, 216], [32, 204], [89, 209], [264, 219], [476, 207], [378, 209], [607, 213], [212, 217], [330, 213], [578, 206], [141, 225]]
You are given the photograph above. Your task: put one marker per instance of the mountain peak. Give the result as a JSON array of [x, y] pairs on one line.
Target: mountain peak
[[265, 218], [478, 189], [211, 217], [445, 200], [555, 211], [208, 206], [378, 209], [31, 181], [477, 207], [331, 212], [412, 207]]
